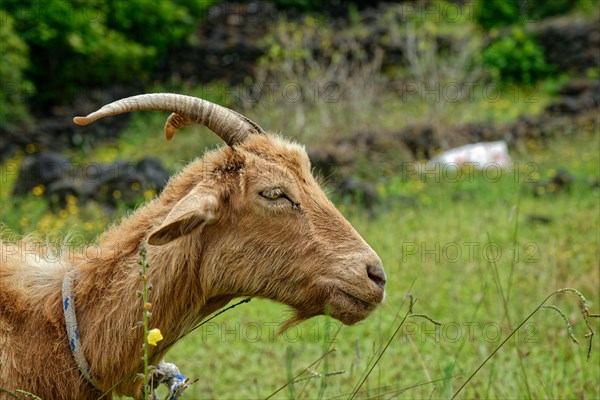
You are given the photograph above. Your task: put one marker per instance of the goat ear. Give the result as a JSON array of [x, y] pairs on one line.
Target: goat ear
[[194, 210]]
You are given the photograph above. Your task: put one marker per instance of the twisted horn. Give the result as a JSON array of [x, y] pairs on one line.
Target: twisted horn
[[229, 125]]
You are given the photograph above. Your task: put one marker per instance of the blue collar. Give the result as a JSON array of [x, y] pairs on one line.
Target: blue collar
[[68, 301]]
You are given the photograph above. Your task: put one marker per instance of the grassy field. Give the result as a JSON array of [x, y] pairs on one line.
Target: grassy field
[[448, 240], [478, 250], [438, 249]]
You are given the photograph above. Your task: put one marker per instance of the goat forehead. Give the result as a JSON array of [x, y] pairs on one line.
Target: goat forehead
[[280, 152]]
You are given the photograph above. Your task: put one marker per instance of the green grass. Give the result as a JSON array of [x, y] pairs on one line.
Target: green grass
[[433, 236], [238, 356]]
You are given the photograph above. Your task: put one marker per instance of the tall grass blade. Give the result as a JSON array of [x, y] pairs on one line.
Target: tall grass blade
[[326, 344], [326, 349], [504, 298], [365, 374], [407, 315], [362, 381], [8, 392], [514, 245], [584, 312], [289, 356], [300, 373]]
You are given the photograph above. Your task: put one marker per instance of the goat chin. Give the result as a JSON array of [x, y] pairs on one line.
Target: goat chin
[[341, 305]]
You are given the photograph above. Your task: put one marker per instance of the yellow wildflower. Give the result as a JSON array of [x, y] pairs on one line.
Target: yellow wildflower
[[154, 336], [71, 200], [38, 190], [149, 194]]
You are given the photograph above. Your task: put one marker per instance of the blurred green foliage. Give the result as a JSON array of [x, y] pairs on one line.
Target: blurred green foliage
[[516, 59], [304, 5], [497, 13], [77, 44], [13, 62], [156, 24]]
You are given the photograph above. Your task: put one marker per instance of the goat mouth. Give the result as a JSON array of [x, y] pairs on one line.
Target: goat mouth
[[349, 308], [351, 302], [358, 301]]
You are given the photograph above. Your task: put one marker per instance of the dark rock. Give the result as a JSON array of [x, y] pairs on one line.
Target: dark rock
[[55, 130], [566, 105], [361, 192], [328, 159], [571, 43], [41, 170], [578, 96], [227, 46], [121, 182], [113, 183], [578, 86], [538, 219], [461, 196], [154, 175], [59, 191], [561, 181], [421, 140]]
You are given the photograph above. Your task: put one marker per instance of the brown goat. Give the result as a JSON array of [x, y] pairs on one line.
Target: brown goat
[[247, 219]]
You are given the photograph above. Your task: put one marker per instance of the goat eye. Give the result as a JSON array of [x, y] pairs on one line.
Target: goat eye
[[272, 194]]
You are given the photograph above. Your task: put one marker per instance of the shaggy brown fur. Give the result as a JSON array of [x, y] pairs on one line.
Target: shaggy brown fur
[[211, 237]]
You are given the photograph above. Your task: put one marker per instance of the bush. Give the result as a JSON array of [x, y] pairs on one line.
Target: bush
[[14, 88], [78, 44], [516, 58], [156, 24], [497, 13]]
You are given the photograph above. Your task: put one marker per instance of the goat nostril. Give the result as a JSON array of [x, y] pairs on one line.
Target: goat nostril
[[376, 274]]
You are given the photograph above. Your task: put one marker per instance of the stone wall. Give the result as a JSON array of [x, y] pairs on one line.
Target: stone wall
[[570, 43], [228, 44]]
